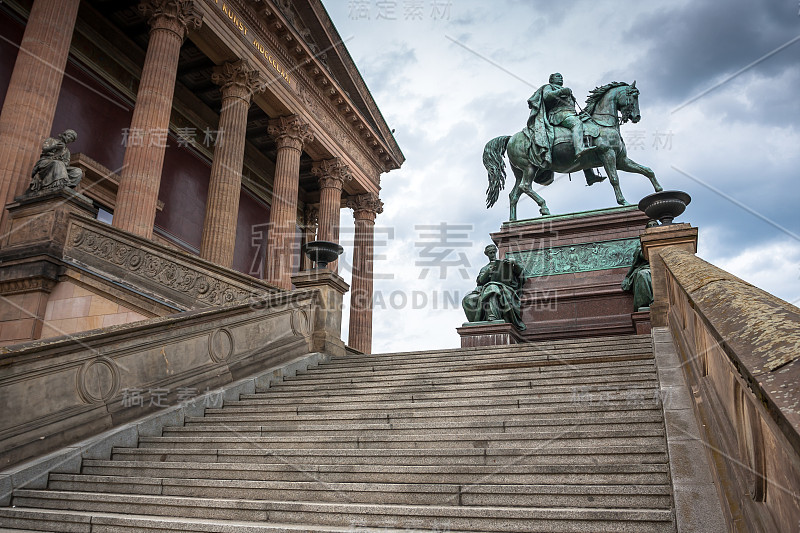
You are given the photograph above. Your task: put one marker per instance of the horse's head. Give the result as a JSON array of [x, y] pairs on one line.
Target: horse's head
[[628, 103]]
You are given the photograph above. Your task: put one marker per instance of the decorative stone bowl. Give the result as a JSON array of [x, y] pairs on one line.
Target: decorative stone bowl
[[323, 252], [664, 206]]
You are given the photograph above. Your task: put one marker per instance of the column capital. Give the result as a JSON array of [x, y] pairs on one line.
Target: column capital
[[239, 79], [290, 132], [178, 16], [331, 173], [365, 206]]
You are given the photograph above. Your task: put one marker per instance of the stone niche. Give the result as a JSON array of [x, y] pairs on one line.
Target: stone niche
[[574, 265]]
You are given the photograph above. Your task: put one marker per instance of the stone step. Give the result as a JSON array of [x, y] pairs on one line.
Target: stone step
[[511, 420], [545, 372], [464, 427], [580, 345], [499, 380], [547, 361], [652, 454], [96, 522], [627, 496], [451, 387], [509, 473], [490, 415], [531, 405], [568, 437], [488, 519]]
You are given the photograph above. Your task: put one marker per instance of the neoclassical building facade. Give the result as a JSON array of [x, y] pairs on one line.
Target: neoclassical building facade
[[226, 132]]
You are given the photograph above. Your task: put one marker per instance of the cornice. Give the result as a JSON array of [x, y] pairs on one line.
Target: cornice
[[315, 83]]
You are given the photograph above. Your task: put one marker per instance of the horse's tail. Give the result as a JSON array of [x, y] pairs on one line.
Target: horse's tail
[[493, 154]]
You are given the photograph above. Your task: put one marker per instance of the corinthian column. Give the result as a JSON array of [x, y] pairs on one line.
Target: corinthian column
[[365, 207], [33, 90], [290, 133], [140, 176], [239, 82], [332, 174]]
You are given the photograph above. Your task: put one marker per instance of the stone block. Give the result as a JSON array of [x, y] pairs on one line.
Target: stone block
[[697, 508]]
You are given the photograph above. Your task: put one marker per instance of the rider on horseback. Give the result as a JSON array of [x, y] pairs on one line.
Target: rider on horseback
[[554, 105]]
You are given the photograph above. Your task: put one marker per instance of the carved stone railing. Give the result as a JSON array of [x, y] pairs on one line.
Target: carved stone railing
[[182, 279], [59, 391], [740, 349]]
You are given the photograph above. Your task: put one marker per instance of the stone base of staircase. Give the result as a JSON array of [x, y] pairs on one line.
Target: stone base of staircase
[[559, 436]]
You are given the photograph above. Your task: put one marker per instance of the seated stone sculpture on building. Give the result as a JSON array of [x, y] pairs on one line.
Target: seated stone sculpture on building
[[638, 281], [497, 296], [52, 171]]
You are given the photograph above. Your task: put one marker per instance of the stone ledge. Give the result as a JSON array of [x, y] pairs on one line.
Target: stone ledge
[[697, 504]]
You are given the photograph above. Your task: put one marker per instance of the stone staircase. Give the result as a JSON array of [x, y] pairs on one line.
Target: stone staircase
[[560, 436]]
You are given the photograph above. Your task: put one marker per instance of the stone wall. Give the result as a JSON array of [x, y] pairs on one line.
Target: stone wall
[[740, 348]]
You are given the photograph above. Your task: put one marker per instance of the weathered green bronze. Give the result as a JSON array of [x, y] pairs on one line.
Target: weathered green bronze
[[553, 142], [569, 259], [638, 281], [497, 296]]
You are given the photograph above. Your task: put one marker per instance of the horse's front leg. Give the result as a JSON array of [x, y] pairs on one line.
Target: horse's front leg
[[609, 159], [629, 165]]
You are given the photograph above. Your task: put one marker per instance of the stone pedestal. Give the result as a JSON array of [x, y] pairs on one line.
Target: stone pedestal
[[327, 333], [654, 241], [488, 334], [30, 258], [574, 265], [641, 322]]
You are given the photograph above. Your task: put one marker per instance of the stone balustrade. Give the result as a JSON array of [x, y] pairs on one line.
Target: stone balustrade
[[740, 351], [178, 278], [58, 391]]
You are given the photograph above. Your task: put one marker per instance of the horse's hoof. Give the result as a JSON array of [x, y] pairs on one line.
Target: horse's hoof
[[544, 211], [659, 188], [623, 202]]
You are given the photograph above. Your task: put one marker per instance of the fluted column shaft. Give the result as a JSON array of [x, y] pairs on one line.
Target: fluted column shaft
[[331, 174], [365, 208], [140, 175], [310, 225], [290, 133], [239, 82], [30, 103]]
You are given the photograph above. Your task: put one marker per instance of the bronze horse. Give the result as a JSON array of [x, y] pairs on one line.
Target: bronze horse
[[609, 106]]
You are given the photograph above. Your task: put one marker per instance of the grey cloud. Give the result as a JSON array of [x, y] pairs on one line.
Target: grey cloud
[[696, 45]]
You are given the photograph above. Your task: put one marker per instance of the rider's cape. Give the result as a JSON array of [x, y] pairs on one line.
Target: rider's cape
[[539, 133]]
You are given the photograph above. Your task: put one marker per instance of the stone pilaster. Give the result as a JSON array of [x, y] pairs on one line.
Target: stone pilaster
[[310, 225], [332, 174], [30, 103], [291, 133], [239, 83], [140, 177], [365, 208]]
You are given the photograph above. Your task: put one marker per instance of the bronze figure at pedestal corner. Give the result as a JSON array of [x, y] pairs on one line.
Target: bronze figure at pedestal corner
[[497, 296], [555, 141], [639, 281], [52, 171]]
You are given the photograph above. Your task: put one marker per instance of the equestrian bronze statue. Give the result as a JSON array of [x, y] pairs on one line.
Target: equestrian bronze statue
[[557, 139]]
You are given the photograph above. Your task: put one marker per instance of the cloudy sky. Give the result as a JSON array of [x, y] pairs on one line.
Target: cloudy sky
[[719, 102]]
